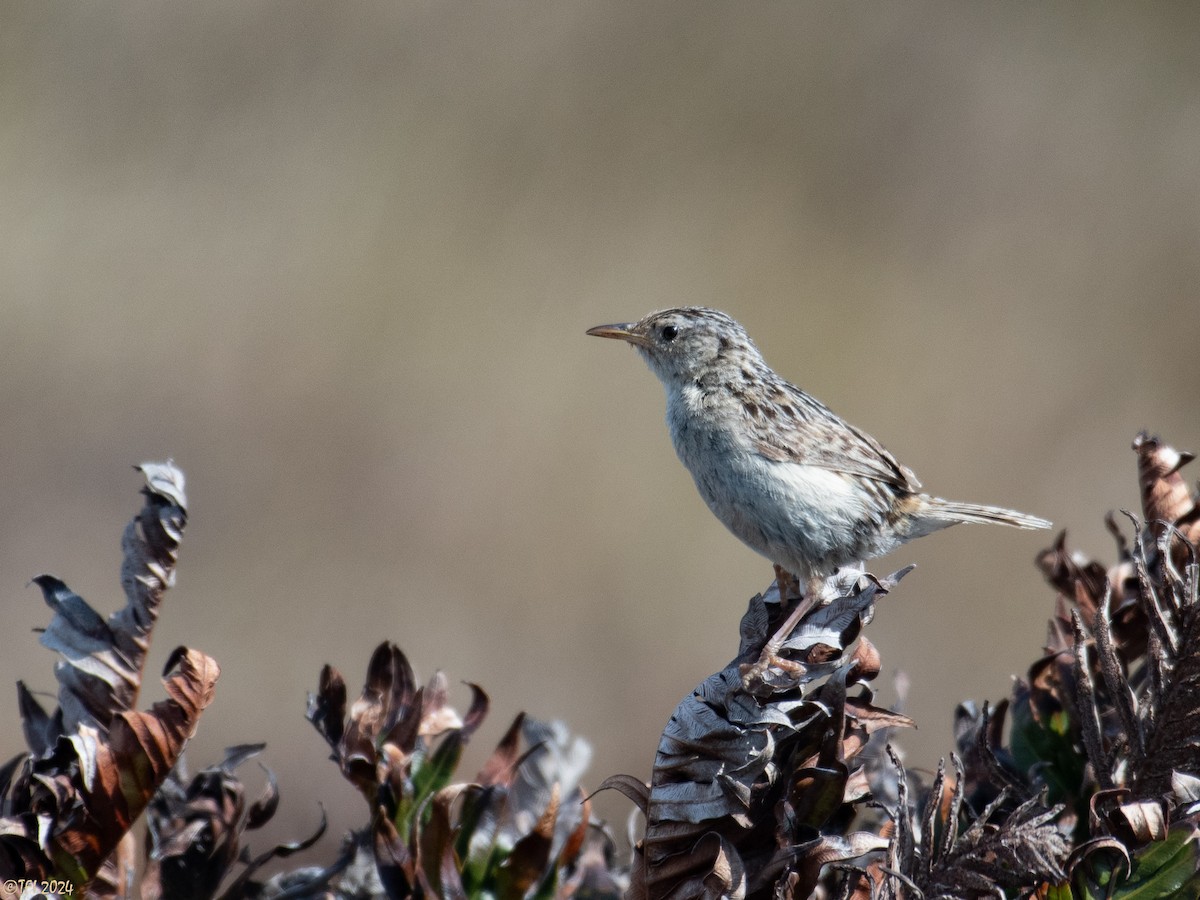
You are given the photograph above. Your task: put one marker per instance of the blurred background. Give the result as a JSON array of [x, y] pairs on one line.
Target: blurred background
[[338, 260]]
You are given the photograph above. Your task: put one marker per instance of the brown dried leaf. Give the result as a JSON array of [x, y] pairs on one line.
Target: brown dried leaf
[[740, 780], [574, 843], [1134, 822], [96, 761], [526, 864], [501, 767], [142, 748], [115, 879], [866, 661], [1065, 570], [593, 876], [435, 843], [374, 744], [327, 708], [103, 659], [1165, 495], [397, 869]]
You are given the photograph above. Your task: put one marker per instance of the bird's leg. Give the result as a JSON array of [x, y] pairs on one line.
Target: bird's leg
[[810, 600], [788, 584]]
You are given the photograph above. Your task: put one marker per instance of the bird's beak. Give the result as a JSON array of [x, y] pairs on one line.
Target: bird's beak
[[627, 331]]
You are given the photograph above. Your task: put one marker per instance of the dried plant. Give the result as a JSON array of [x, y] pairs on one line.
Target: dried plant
[[94, 763], [1096, 793], [196, 833], [1084, 784], [747, 779], [516, 830], [1106, 722]]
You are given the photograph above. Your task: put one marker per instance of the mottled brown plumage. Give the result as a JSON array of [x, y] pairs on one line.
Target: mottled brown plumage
[[790, 478]]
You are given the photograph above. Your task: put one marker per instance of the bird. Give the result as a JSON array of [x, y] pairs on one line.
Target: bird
[[784, 473]]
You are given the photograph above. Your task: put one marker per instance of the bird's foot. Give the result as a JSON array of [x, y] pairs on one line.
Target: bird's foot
[[756, 673]]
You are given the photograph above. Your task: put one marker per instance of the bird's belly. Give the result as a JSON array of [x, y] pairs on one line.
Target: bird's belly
[[807, 519]]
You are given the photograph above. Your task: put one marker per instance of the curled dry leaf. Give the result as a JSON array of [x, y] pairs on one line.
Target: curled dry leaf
[[78, 802], [391, 730], [102, 660], [519, 827], [197, 830], [96, 761], [1166, 497], [1121, 680], [948, 851], [743, 783]]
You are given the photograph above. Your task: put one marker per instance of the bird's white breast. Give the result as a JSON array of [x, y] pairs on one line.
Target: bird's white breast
[[806, 518]]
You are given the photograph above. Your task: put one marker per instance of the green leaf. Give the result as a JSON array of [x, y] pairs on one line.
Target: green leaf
[[1165, 869], [435, 772], [1162, 870], [1048, 752], [475, 800]]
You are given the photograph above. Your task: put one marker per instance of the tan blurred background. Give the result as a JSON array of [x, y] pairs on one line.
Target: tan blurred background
[[337, 260]]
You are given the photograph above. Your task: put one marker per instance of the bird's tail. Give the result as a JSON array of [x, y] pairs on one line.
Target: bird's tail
[[937, 513]]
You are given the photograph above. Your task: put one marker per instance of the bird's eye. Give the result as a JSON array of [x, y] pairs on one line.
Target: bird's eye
[[669, 332]]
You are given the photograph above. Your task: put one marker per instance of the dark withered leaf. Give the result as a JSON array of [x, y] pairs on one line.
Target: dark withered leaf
[[831, 848], [96, 761], [955, 854], [743, 779], [594, 875], [102, 659], [637, 791], [527, 862], [553, 766], [1166, 496], [41, 730], [327, 707], [501, 766], [435, 844], [245, 885], [397, 870], [478, 710], [373, 745], [264, 808]]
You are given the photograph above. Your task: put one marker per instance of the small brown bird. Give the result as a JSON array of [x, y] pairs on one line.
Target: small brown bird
[[790, 478]]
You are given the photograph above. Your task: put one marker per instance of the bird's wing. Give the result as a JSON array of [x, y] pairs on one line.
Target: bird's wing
[[841, 447]]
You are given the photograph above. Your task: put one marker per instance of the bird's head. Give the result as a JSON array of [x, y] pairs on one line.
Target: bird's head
[[686, 345]]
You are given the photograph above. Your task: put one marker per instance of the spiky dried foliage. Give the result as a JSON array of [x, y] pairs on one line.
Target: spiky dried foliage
[[754, 784], [517, 830], [1096, 793], [765, 785], [195, 841], [1107, 722], [942, 848], [94, 763]]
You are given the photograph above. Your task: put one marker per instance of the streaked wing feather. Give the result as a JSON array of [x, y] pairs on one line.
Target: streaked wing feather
[[849, 449]]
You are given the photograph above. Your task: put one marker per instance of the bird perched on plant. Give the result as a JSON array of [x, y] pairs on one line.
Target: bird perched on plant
[[790, 478]]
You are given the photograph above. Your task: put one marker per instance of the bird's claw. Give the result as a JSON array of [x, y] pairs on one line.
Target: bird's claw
[[756, 673]]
